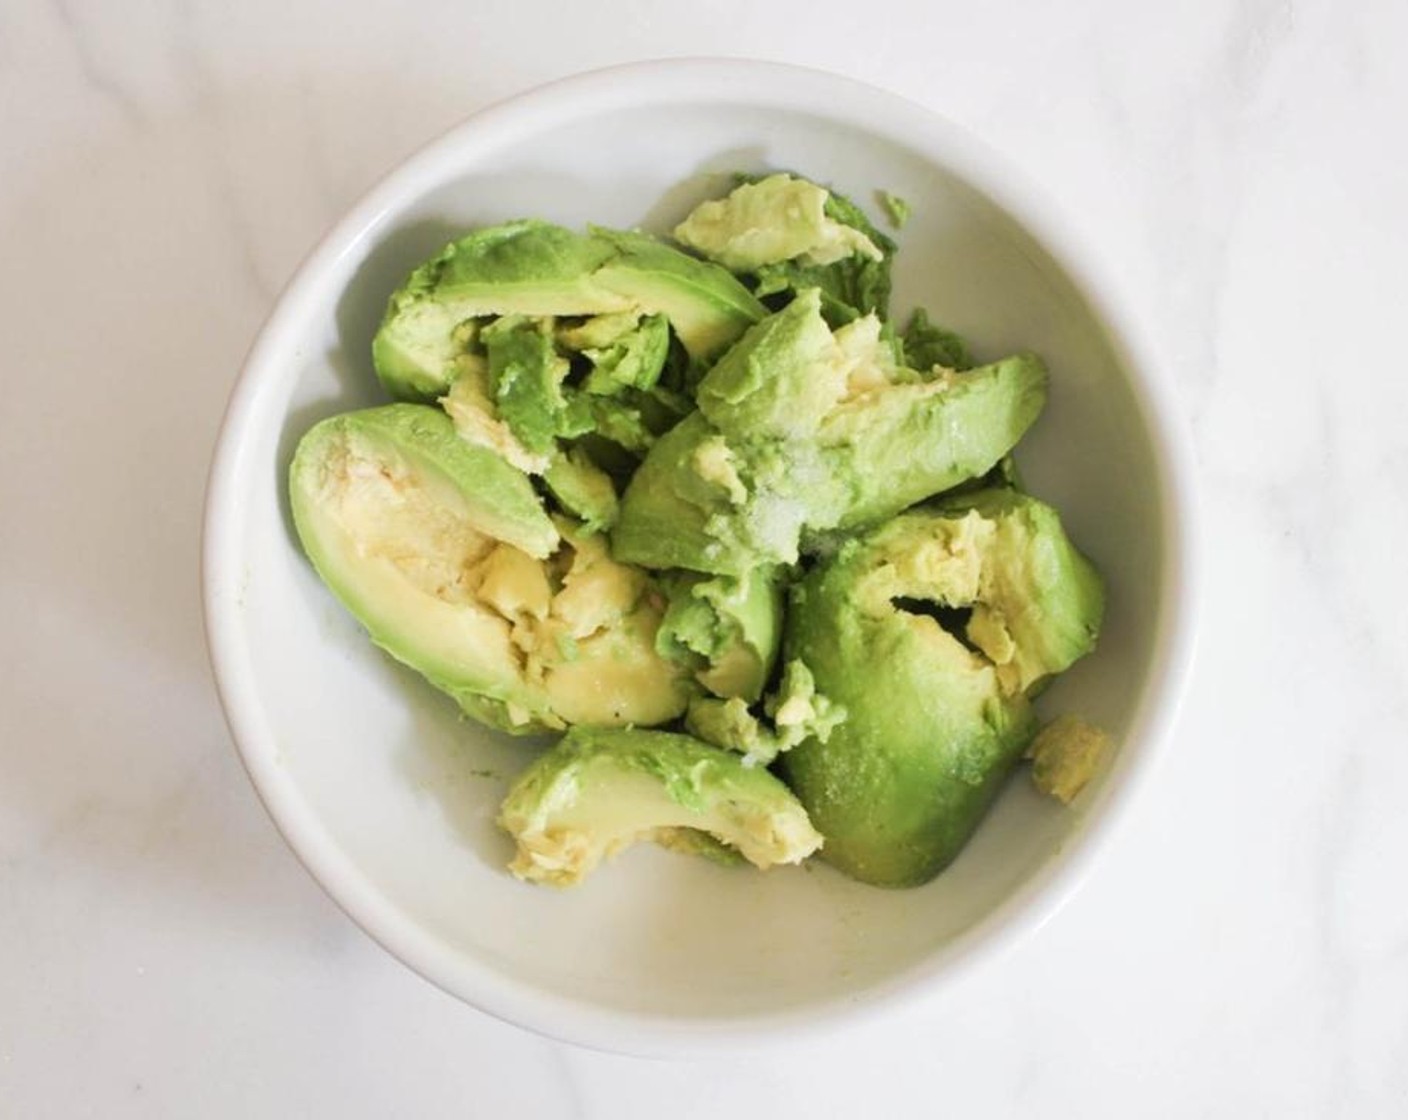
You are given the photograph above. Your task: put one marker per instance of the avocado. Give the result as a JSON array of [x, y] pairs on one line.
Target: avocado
[[768, 221], [538, 270], [802, 430], [444, 552], [792, 714], [786, 234], [626, 351], [932, 631], [728, 629], [598, 791]]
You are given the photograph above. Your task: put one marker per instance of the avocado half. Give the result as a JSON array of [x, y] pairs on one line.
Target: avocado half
[[932, 632], [445, 553]]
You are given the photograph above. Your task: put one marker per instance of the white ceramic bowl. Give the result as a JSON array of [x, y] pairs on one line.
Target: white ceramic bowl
[[389, 797]]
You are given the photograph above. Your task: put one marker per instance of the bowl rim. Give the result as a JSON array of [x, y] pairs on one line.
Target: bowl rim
[[705, 81]]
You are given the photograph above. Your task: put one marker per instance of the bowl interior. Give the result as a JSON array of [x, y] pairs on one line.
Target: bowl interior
[[364, 762]]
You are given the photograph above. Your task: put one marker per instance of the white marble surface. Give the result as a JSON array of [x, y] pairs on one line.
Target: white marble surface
[[1244, 949]]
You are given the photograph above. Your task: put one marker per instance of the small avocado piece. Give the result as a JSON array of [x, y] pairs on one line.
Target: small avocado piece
[[596, 792], [444, 552], [793, 714], [852, 286], [1065, 755], [897, 209], [780, 381], [538, 270], [727, 628], [961, 610], [788, 234], [768, 221], [802, 430], [630, 361], [907, 442], [583, 489]]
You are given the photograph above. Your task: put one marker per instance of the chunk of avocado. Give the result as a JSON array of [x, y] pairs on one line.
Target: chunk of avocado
[[932, 631], [788, 234], [536, 269], [727, 628], [443, 551], [802, 430], [597, 792], [770, 220], [1065, 755]]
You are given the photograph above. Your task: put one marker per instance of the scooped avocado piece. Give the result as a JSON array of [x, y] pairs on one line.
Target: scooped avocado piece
[[443, 551], [767, 221], [932, 632], [539, 270], [802, 430], [727, 629], [791, 715], [597, 792], [788, 235], [1065, 755], [852, 286]]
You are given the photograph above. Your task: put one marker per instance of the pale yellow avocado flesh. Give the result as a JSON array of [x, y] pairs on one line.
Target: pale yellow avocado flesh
[[776, 219], [560, 639], [598, 792]]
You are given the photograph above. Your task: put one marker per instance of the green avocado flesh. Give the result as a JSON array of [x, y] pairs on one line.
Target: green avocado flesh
[[539, 270], [961, 610], [445, 554], [597, 792], [730, 628], [802, 430]]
